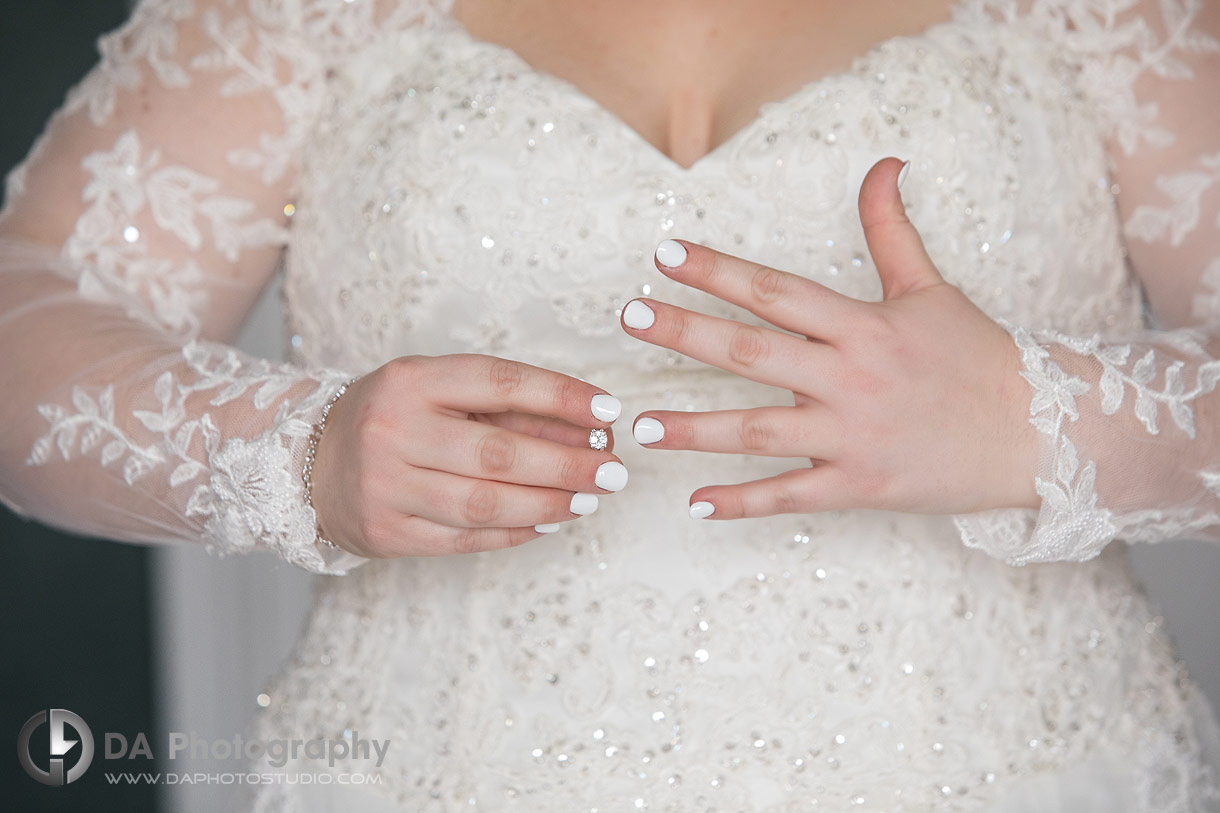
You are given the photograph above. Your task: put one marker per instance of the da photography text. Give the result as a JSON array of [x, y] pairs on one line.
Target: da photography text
[[277, 751]]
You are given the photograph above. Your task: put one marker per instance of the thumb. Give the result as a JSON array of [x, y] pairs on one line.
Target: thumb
[[897, 249]]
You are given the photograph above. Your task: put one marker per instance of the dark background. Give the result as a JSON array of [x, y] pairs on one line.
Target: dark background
[[76, 629]]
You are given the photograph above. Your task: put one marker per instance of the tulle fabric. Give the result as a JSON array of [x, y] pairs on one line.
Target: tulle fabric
[[1129, 420], [134, 240]]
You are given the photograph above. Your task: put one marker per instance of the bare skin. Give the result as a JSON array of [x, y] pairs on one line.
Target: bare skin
[[688, 74]]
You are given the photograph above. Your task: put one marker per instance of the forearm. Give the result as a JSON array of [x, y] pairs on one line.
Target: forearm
[[1129, 444], [114, 428]]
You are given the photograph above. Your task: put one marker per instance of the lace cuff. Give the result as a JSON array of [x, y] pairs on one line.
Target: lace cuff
[[1154, 483], [255, 497]]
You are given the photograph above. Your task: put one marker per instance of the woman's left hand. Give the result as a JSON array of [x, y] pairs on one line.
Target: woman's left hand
[[914, 403]]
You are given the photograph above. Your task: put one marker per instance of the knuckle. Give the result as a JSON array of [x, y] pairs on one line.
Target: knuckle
[[690, 432], [505, 376], [679, 326], [767, 284], [756, 432], [573, 473], [480, 505], [466, 540], [867, 383], [747, 346], [715, 267], [403, 365], [497, 453], [375, 533], [569, 393], [516, 538], [871, 485], [787, 501], [400, 372]]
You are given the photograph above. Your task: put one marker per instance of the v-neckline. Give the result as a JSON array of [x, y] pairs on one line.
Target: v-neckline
[[444, 14]]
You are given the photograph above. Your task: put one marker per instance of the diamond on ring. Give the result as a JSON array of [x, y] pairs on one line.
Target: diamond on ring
[[598, 439]]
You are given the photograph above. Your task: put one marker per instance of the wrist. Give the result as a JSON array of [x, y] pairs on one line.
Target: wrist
[[322, 541], [1024, 441]]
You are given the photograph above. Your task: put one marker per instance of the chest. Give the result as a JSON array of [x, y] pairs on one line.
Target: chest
[[686, 75], [456, 198]]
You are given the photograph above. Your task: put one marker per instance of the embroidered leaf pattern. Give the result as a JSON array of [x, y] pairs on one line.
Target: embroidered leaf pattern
[[210, 433]]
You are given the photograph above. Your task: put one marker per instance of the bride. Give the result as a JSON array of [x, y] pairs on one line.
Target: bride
[[939, 392]]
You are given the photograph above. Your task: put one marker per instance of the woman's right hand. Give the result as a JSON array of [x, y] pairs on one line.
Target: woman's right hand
[[435, 455]]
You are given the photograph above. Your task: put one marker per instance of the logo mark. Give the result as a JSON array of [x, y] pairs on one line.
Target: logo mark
[[60, 746]]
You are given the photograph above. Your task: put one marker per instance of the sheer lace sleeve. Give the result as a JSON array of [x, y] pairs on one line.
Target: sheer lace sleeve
[[134, 240], [1129, 423]]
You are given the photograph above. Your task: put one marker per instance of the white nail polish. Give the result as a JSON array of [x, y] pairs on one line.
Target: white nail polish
[[638, 315], [702, 509], [611, 476], [671, 253], [549, 528], [902, 174], [605, 407], [648, 430], [583, 504]]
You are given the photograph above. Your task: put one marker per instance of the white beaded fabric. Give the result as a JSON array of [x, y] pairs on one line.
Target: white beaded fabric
[[448, 197]]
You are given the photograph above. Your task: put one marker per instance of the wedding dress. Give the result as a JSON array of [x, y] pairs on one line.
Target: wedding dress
[[437, 194]]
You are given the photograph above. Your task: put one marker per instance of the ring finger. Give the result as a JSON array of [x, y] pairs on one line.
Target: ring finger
[[467, 502], [543, 426], [475, 449]]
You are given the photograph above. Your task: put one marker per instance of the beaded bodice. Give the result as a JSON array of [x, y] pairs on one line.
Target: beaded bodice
[[471, 202]]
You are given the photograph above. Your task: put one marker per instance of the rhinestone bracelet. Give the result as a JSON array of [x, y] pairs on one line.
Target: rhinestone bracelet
[[311, 449]]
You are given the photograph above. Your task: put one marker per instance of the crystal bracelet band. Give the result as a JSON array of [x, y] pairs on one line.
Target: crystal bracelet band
[[310, 450]]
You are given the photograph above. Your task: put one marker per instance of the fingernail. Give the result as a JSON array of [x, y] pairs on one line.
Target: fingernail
[[902, 174], [702, 509], [549, 528], [638, 315], [611, 476], [671, 253], [583, 503], [605, 407], [648, 430]]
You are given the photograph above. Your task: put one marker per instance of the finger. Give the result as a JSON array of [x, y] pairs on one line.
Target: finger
[[468, 502], [474, 449], [785, 300], [770, 431], [427, 538], [894, 243], [541, 426], [799, 491], [757, 353], [470, 382]]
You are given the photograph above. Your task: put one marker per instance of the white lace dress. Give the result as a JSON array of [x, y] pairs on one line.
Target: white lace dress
[[437, 194]]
